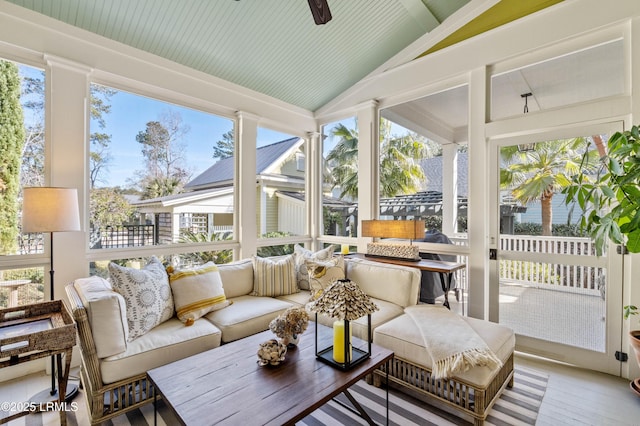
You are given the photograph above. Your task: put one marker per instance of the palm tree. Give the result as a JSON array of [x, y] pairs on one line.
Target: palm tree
[[400, 170], [540, 173], [343, 161]]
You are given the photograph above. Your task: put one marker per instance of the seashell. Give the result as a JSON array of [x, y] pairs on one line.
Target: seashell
[[271, 352]]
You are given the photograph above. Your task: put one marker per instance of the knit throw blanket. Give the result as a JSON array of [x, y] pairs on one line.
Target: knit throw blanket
[[453, 344]]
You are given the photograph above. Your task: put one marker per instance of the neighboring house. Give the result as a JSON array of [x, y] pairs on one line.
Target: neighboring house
[[521, 214], [207, 203]]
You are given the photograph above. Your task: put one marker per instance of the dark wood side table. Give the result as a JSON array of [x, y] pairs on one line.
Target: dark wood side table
[[443, 268], [37, 331]]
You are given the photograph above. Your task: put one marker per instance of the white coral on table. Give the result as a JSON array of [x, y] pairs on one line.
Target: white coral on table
[[271, 352]]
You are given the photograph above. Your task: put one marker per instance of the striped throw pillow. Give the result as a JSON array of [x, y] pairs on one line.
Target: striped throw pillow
[[197, 291], [274, 277]]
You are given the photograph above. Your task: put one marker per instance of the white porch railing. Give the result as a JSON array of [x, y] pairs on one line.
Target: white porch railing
[[560, 276], [567, 277]]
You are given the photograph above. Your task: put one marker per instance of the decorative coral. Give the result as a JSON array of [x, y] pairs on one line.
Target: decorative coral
[[271, 352], [290, 323]]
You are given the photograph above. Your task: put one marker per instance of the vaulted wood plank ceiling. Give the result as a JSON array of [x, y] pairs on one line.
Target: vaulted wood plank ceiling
[[270, 46]]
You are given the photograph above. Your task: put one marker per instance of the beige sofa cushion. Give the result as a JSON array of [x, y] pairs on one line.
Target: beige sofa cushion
[[165, 343], [402, 336], [237, 278], [107, 314], [396, 284], [247, 315], [301, 298]]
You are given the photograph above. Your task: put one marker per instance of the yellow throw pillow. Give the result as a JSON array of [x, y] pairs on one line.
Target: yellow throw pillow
[[197, 291], [274, 277], [323, 273]]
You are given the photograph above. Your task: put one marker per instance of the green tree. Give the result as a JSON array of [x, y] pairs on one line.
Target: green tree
[[108, 208], [400, 170], [225, 147], [163, 151], [540, 173], [11, 142], [99, 156]]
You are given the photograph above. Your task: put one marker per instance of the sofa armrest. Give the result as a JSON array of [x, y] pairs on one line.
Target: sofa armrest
[[90, 361]]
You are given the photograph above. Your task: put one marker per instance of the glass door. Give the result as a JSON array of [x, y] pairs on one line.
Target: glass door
[[562, 301]]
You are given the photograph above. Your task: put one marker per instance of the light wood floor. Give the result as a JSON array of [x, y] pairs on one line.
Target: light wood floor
[[574, 396]]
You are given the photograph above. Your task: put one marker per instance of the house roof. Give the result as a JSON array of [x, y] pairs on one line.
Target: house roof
[[221, 172], [274, 48]]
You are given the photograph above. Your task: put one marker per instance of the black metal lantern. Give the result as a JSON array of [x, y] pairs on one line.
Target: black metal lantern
[[344, 302]]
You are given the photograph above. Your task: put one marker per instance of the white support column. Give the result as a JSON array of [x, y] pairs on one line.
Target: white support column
[[449, 188], [313, 187], [67, 135], [478, 211], [630, 289], [245, 194], [368, 159]]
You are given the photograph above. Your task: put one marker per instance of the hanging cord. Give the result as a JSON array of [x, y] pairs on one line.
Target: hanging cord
[[526, 97]]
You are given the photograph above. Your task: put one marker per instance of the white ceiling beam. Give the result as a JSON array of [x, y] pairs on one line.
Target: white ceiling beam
[[421, 14], [419, 122]]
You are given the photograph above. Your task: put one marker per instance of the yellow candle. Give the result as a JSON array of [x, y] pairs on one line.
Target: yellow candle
[[338, 342], [345, 248]]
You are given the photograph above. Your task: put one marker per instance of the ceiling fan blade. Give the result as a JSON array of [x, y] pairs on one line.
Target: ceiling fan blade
[[320, 11]]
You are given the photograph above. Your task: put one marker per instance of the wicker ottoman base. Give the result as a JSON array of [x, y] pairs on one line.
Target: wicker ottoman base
[[453, 395]]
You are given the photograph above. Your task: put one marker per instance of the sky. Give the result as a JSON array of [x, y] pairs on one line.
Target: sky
[[130, 114]]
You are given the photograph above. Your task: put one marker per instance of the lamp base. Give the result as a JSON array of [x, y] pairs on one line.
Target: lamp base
[[359, 356], [43, 397], [406, 259]]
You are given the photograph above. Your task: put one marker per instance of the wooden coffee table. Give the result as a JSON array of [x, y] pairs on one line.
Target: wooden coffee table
[[226, 385]]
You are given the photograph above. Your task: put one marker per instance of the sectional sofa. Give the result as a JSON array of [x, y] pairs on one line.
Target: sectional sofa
[[113, 367]]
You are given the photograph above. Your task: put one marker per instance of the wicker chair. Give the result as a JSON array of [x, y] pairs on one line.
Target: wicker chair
[[104, 401]]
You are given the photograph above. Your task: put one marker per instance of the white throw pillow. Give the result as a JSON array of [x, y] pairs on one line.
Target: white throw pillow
[[107, 314], [147, 294], [197, 291], [274, 277], [302, 255]]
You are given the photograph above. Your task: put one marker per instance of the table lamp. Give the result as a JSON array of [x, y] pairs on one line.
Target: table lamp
[[47, 209], [400, 229], [343, 301]]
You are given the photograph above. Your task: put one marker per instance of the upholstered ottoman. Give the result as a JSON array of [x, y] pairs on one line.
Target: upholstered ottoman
[[469, 394]]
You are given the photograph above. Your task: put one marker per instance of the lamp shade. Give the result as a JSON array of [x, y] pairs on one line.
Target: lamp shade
[[405, 229], [46, 209]]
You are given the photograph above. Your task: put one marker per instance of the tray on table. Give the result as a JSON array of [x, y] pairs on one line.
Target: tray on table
[[30, 330]]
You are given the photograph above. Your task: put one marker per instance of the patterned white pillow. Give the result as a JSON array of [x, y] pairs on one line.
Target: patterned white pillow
[[274, 277], [302, 255], [197, 291], [147, 295], [323, 273]]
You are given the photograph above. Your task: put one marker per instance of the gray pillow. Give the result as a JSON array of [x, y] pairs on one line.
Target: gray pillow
[[147, 295]]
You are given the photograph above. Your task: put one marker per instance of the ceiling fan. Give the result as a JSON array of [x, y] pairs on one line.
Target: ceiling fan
[[320, 11]]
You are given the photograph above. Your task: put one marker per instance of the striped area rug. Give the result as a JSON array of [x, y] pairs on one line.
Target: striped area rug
[[517, 406]]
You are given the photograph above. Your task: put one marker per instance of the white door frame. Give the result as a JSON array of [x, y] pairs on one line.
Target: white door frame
[[613, 263]]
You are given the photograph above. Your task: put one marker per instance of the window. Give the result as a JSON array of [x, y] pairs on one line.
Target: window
[[281, 184], [424, 162], [21, 165], [160, 173], [340, 178]]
